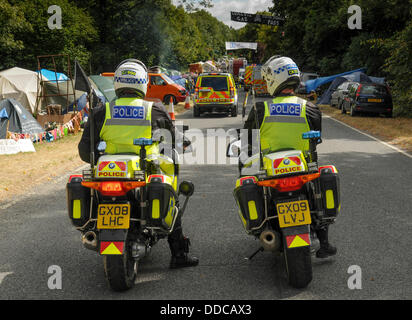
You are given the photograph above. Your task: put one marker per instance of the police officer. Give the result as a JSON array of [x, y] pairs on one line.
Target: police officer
[[278, 132], [130, 84]]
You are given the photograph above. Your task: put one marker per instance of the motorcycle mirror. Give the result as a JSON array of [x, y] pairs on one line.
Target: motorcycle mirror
[[233, 149], [186, 188], [101, 147]]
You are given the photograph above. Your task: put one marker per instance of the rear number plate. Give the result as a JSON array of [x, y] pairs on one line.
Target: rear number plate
[[374, 100], [113, 216], [295, 213]]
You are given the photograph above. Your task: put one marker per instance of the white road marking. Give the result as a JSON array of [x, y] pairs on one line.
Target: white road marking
[[3, 275]]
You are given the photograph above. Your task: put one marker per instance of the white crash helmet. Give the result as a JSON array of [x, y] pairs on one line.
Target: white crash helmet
[[131, 75], [280, 73]]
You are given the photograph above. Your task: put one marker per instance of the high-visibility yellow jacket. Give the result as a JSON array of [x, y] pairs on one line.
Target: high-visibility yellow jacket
[[283, 124], [127, 119]]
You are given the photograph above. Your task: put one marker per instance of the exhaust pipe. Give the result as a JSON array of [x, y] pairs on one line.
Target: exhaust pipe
[[270, 240], [89, 240]]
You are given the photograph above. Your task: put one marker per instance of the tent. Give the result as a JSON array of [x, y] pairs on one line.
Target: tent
[[61, 93], [15, 118], [356, 77], [83, 100], [21, 85], [315, 83], [105, 86]]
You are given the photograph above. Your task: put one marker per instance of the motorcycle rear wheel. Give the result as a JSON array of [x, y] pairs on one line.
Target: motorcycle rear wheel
[[120, 271], [298, 266]]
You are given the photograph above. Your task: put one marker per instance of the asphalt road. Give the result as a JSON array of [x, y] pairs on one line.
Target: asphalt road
[[373, 232]]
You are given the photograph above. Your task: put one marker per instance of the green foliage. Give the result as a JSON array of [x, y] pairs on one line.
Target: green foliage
[[316, 35], [398, 66], [101, 33], [37, 38], [12, 23]]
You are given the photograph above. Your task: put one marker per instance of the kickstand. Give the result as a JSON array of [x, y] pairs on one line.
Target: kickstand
[[255, 253]]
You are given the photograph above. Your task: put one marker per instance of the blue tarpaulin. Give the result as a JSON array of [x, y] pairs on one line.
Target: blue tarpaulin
[[356, 77], [53, 76], [316, 83]]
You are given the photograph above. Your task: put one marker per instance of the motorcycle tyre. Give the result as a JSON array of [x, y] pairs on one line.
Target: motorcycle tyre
[[120, 271], [298, 266]]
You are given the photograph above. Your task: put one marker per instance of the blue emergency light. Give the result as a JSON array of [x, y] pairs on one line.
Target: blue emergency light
[[142, 142], [311, 135]]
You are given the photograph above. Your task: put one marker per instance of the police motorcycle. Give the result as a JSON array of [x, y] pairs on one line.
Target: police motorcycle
[[282, 197], [124, 205]]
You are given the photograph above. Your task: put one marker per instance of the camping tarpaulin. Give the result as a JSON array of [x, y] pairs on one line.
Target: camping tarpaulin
[[21, 85], [105, 86], [53, 76], [15, 118], [316, 83], [356, 77]]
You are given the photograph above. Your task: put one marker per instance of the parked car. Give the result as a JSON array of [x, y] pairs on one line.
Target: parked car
[[368, 97], [162, 87], [215, 92], [339, 94]]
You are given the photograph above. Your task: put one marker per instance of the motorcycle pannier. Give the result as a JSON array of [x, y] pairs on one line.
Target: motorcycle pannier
[[329, 184], [249, 197], [161, 205], [78, 201]]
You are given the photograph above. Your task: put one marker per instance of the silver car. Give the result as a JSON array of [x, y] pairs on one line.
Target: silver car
[[339, 94]]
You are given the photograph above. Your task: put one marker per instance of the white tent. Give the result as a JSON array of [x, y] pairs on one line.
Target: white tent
[[21, 85]]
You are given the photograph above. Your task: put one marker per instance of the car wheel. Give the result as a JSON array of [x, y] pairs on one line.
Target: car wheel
[[196, 112], [388, 115], [166, 99], [234, 111]]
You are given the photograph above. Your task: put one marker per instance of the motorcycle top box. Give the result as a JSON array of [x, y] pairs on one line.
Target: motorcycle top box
[[284, 162], [277, 163]]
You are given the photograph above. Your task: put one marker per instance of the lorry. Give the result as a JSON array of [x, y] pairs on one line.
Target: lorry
[[235, 65], [196, 67]]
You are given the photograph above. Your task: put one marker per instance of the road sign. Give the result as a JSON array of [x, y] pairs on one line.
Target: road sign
[[256, 18]]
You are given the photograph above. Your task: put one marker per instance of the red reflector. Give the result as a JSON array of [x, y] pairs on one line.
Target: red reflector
[[298, 240]]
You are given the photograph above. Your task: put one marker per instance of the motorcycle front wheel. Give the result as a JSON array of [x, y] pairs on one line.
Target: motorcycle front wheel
[[120, 271], [298, 266]]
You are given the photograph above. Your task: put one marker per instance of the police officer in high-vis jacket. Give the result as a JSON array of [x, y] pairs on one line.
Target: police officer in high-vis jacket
[[279, 132], [118, 123]]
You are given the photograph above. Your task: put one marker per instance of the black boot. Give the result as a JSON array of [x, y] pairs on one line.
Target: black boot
[[179, 247], [326, 249]]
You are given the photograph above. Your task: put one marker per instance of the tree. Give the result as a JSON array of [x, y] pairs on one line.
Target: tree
[[74, 38], [12, 23]]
